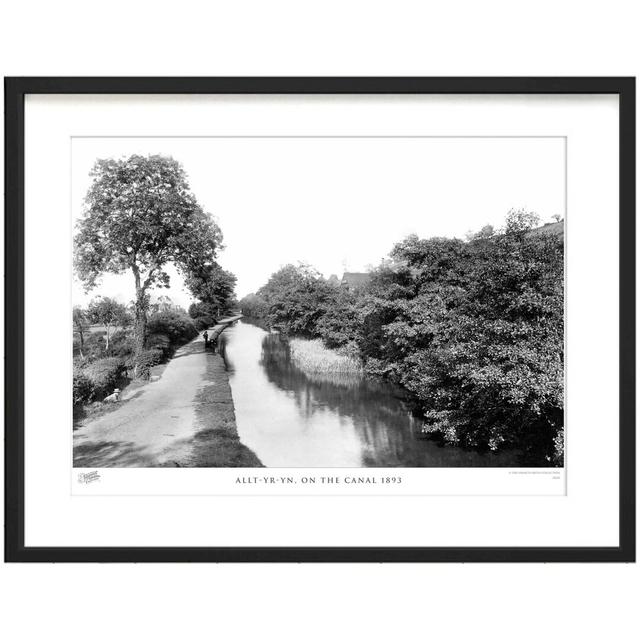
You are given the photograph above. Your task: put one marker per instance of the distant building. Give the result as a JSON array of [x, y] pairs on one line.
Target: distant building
[[333, 280], [352, 280]]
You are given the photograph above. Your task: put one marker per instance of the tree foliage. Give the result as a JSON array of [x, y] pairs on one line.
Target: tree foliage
[[140, 216], [480, 342], [296, 298], [108, 313], [214, 287], [162, 304], [174, 324]]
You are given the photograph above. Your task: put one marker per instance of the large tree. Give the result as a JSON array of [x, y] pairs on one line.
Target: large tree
[[140, 216]]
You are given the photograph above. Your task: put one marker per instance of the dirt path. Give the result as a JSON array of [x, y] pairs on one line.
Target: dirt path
[[184, 419]]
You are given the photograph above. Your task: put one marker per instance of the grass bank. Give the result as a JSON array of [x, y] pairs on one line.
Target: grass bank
[[217, 443]]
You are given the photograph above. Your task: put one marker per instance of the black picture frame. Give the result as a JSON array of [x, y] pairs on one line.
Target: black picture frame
[[15, 91]]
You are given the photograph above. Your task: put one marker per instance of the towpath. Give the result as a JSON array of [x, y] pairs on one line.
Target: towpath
[[184, 419]]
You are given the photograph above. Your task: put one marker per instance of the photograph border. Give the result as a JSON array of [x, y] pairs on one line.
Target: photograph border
[[15, 91]]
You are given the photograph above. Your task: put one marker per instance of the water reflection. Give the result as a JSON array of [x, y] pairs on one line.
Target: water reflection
[[292, 419]]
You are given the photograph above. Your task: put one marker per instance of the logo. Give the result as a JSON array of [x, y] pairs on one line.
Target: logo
[[87, 478]]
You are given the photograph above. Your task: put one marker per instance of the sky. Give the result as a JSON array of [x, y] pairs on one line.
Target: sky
[[338, 204]]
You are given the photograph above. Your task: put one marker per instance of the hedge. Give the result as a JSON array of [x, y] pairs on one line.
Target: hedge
[[176, 325], [159, 341], [105, 375], [82, 388], [203, 322], [148, 359]]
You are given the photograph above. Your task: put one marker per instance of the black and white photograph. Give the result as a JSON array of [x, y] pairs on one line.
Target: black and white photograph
[[318, 301]]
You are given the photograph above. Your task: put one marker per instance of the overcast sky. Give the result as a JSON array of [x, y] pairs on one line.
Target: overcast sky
[[337, 203]]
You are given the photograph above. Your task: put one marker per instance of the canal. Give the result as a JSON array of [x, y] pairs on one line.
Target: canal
[[291, 419]]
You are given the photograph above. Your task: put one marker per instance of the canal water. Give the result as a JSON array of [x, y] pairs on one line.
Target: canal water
[[292, 419]]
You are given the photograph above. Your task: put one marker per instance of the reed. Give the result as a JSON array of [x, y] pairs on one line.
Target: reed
[[313, 357]]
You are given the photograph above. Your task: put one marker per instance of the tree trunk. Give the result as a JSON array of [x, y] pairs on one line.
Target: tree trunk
[[140, 309], [140, 323]]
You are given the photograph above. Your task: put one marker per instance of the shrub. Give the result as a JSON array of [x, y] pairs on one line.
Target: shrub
[[148, 359], [121, 345], [558, 454], [202, 309], [203, 322], [105, 375], [161, 342], [94, 346], [177, 325], [83, 389], [341, 324], [476, 338]]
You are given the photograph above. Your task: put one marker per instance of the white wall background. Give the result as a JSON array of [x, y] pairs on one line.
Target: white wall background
[[331, 37]]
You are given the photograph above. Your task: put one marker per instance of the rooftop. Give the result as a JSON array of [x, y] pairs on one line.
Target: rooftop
[[353, 279]]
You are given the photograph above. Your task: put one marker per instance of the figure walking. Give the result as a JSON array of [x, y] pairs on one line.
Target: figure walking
[[205, 335]]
